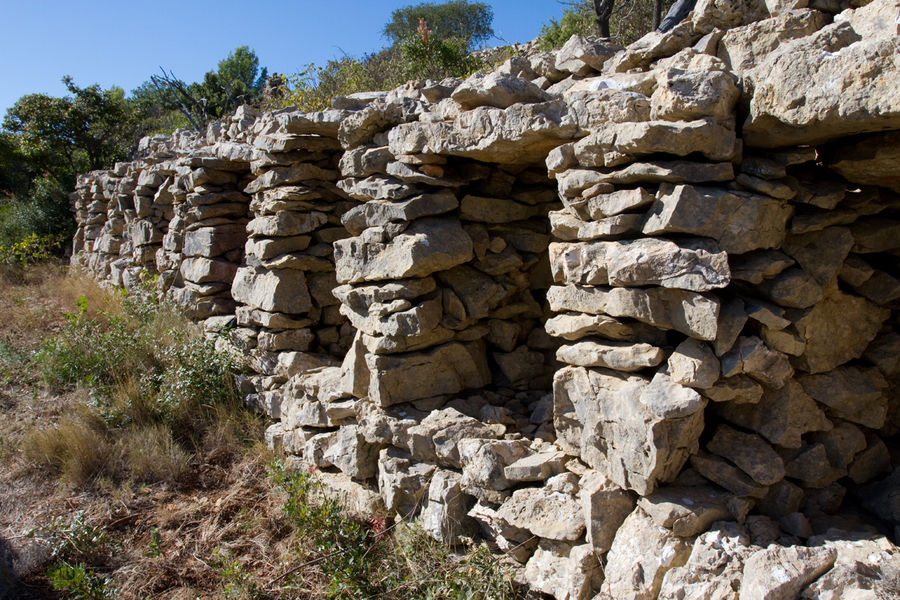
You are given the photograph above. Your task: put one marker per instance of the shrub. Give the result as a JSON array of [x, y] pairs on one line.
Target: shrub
[[79, 582], [577, 19], [435, 58], [364, 560], [160, 391], [630, 20]]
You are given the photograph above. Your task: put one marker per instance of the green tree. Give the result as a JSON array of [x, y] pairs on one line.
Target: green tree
[[88, 130], [238, 80], [469, 21], [623, 21], [45, 142]]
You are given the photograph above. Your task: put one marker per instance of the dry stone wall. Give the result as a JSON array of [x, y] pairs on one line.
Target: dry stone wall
[[629, 315]]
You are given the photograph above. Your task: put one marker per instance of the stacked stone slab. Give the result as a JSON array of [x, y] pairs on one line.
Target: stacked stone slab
[[445, 254], [283, 288], [710, 295], [123, 213]]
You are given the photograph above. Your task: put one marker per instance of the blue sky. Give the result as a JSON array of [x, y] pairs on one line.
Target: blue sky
[[122, 43]]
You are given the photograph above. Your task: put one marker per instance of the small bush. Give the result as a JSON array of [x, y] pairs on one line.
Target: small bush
[[364, 560], [160, 392], [78, 582], [578, 19], [435, 58]]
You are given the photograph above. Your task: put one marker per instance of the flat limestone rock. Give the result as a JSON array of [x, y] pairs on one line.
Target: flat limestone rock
[[497, 89], [671, 171], [619, 356], [444, 515], [743, 48], [781, 416], [376, 187], [484, 463], [696, 265], [820, 253], [566, 571], [740, 222], [641, 555], [670, 400], [752, 357], [856, 394], [724, 474], [575, 326], [427, 246], [435, 439], [871, 161], [749, 452], [582, 57], [286, 223], [781, 572], [200, 269], [602, 200], [686, 511], [568, 227], [836, 330], [619, 143], [693, 364], [689, 95], [690, 313], [380, 213], [739, 389], [714, 569], [598, 414], [280, 291], [606, 506], [446, 369], [285, 175], [814, 90], [535, 467], [547, 514], [517, 134]]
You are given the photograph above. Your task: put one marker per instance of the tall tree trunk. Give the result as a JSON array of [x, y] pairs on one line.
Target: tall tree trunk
[[603, 9], [657, 13]]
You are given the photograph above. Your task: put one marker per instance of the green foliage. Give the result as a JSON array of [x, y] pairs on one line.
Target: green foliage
[[631, 20], [313, 88], [78, 582], [237, 583], [29, 249], [466, 21], [359, 560], [577, 19], [44, 144], [74, 543], [436, 58], [159, 392], [345, 552], [73, 540], [238, 80], [90, 129], [454, 28]]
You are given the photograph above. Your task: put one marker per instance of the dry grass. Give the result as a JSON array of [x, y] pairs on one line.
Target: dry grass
[[183, 503], [75, 449]]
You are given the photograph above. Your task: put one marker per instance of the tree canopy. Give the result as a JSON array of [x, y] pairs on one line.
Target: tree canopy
[[622, 20], [90, 129], [469, 21], [238, 80]]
